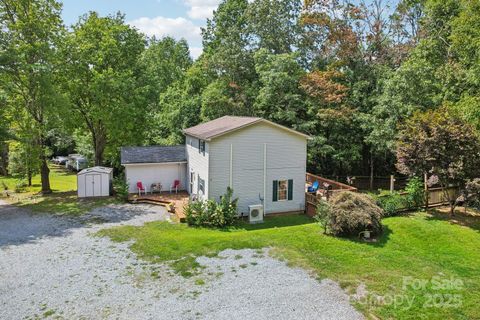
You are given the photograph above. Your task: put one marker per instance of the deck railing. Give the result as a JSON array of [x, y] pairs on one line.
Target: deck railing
[[326, 189], [334, 185]]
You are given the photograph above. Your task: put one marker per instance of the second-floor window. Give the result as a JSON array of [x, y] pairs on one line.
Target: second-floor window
[[201, 146]]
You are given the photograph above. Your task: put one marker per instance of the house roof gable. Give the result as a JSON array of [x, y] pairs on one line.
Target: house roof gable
[[221, 126]]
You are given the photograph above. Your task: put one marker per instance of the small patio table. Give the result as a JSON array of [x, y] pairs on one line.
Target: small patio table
[[156, 187]]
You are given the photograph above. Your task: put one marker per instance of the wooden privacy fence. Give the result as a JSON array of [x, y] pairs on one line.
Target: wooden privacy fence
[[436, 197]]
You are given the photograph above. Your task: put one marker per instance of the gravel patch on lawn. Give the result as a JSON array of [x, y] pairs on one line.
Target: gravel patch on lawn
[[64, 272]]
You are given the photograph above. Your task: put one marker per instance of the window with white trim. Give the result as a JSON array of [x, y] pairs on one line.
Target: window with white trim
[[201, 146], [282, 190], [201, 185]]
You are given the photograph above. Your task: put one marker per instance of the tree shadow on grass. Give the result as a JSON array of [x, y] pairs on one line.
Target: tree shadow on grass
[[470, 218], [20, 224], [378, 241], [270, 223]]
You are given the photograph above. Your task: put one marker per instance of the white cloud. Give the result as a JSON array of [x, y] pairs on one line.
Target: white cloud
[[195, 52], [201, 9], [175, 27]]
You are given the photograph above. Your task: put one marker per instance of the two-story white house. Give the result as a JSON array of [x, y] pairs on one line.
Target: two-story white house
[[263, 162]]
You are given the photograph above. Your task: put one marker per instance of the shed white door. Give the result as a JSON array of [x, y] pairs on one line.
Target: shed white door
[[93, 185]]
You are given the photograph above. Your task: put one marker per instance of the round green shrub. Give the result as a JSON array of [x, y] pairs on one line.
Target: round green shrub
[[351, 212]]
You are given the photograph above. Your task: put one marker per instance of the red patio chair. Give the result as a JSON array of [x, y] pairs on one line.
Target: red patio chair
[[141, 188], [175, 186]]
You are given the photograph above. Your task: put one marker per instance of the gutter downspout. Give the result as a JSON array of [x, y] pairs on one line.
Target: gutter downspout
[[264, 176], [231, 167]]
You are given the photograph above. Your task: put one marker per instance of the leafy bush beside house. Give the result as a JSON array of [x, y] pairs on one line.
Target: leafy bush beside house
[[350, 213], [211, 213], [120, 187]]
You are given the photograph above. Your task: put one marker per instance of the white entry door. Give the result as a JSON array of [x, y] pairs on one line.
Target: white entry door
[[93, 185]]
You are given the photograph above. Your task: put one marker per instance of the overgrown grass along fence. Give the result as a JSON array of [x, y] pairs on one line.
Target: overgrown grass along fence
[[436, 197]]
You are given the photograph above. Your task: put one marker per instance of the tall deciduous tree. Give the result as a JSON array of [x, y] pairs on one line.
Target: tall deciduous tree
[[30, 32], [164, 62], [438, 143], [102, 55]]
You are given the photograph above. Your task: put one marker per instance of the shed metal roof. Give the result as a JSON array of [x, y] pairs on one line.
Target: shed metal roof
[[96, 169], [226, 124], [153, 154]]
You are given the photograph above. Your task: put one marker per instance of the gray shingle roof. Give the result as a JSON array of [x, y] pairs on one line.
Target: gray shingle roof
[[153, 154], [219, 126], [225, 124]]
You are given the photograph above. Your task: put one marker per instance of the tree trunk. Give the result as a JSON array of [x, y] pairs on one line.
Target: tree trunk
[[99, 147], [371, 170], [29, 177], [99, 143], [45, 175], [452, 209], [3, 159], [451, 203], [425, 186]]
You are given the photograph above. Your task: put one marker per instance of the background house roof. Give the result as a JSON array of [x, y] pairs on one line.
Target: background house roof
[[153, 154], [225, 124]]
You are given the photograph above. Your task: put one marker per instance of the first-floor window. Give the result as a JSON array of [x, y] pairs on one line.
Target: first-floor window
[[201, 185], [192, 180], [282, 190]]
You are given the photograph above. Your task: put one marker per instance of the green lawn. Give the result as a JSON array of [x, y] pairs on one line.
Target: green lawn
[[61, 180], [63, 200], [420, 247]]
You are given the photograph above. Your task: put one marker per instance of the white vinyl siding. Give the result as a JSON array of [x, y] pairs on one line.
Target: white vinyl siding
[[164, 173], [198, 163], [285, 159]]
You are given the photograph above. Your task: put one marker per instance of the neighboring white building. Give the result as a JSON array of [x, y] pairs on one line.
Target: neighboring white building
[[263, 162], [94, 182]]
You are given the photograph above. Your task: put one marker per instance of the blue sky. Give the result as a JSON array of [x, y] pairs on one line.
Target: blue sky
[[177, 18]]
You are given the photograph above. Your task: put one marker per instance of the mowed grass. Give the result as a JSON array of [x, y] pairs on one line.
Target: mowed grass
[[63, 200], [61, 180], [420, 247]]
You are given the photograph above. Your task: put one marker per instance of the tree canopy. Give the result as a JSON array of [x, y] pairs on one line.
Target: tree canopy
[[348, 73]]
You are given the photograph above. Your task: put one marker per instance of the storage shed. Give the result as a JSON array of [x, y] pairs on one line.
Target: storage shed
[[94, 182]]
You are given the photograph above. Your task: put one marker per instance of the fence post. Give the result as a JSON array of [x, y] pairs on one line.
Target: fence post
[[392, 183], [425, 185]]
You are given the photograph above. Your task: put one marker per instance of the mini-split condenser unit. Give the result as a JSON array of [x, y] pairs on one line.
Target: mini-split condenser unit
[[255, 213]]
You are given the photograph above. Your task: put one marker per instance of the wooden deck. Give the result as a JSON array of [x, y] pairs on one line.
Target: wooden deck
[[174, 202]]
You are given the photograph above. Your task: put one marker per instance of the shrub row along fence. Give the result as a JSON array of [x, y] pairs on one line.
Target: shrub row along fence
[[436, 197]]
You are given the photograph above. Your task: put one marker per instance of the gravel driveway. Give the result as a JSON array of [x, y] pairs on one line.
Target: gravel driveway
[[52, 267]]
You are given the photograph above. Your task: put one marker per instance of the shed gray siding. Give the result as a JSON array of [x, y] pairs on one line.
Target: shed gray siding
[[286, 159], [198, 164]]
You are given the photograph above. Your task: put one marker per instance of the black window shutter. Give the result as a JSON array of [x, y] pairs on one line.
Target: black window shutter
[[275, 189], [290, 189], [199, 143]]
